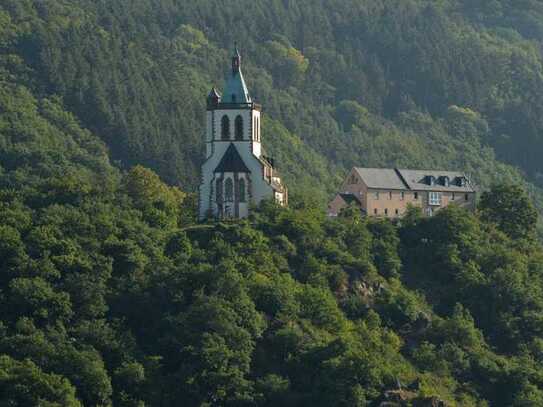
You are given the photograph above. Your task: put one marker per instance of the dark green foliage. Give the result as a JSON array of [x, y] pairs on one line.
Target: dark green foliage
[[110, 298], [511, 210], [24, 384]]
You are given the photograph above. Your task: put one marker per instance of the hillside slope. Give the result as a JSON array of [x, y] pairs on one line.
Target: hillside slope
[[396, 83], [110, 295]]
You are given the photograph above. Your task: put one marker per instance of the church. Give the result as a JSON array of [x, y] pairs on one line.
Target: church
[[236, 173]]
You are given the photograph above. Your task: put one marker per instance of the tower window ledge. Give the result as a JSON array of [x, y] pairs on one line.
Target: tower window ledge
[[251, 105]]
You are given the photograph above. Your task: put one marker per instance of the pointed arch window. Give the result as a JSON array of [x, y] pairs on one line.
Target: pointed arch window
[[225, 128], [229, 190], [239, 128], [219, 191], [241, 186]]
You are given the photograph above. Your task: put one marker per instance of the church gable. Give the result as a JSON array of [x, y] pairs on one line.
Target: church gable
[[232, 162]]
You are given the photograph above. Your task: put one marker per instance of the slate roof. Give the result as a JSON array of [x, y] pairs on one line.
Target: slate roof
[[385, 178], [236, 90], [232, 161], [417, 180]]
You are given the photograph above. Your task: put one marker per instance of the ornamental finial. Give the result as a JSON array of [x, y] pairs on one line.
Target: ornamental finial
[[236, 60]]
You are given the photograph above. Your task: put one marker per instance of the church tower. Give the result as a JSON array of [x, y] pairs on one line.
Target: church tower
[[236, 172]]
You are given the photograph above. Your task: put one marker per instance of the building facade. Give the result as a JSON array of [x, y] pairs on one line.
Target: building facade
[[385, 192], [236, 172]]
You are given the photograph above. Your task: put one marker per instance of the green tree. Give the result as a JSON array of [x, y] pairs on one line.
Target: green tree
[[510, 209], [25, 384]]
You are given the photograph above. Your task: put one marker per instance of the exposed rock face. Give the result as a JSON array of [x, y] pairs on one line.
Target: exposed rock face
[[429, 402], [415, 402], [396, 398], [368, 290], [406, 397]]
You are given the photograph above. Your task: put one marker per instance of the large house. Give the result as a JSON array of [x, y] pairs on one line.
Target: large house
[[236, 172], [387, 192]]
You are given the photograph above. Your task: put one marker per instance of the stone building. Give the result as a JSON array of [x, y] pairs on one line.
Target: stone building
[[388, 192], [236, 172]]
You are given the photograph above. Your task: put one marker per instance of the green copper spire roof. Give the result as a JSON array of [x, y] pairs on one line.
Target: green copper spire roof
[[236, 89]]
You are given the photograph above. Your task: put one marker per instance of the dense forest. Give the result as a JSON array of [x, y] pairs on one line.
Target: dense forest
[[407, 83], [112, 295]]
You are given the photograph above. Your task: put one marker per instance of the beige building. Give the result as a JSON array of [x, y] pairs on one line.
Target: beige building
[[387, 192]]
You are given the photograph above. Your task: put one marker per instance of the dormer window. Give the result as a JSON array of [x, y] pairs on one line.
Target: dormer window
[[430, 180], [446, 181]]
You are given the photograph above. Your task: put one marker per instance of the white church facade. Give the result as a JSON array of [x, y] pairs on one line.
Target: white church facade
[[236, 173]]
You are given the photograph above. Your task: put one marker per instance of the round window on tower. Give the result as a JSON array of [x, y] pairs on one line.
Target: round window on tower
[[239, 128], [225, 128]]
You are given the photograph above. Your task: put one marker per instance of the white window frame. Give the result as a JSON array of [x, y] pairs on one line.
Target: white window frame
[[434, 198]]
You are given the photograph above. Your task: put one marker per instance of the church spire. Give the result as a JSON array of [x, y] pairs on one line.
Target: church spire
[[236, 89], [236, 60]]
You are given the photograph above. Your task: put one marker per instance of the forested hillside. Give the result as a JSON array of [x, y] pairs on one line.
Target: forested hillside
[[111, 295], [449, 84]]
